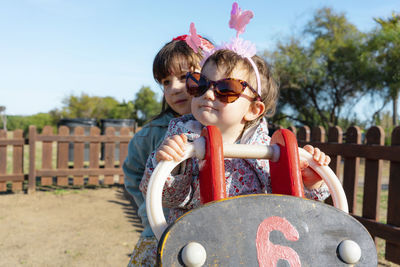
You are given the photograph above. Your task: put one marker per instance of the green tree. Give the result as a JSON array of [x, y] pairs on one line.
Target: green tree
[[22, 122], [146, 105], [323, 71], [385, 45], [125, 110], [85, 106]]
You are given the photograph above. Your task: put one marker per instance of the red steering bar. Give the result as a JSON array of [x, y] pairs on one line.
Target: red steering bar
[[285, 173]]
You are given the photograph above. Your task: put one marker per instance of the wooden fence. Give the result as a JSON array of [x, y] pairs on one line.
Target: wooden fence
[[56, 149], [346, 150]]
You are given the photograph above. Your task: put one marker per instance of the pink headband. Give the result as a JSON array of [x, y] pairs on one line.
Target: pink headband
[[239, 20], [194, 40]]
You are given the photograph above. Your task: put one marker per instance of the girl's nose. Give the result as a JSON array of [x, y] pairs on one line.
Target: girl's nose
[[209, 94], [177, 86]]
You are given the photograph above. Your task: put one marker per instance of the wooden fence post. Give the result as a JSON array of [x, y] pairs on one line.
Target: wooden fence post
[[94, 155], [351, 166], [18, 160], [79, 155], [3, 160], [318, 134], [335, 136], [373, 177], [109, 155], [304, 134], [32, 159], [62, 155], [393, 214], [47, 156]]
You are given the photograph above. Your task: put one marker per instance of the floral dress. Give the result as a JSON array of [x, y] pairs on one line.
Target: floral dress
[[181, 192]]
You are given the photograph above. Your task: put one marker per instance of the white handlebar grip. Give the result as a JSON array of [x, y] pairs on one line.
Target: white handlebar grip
[[157, 180], [331, 180]]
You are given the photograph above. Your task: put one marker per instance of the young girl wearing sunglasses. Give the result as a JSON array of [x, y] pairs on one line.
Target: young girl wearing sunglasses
[[234, 91], [170, 66]]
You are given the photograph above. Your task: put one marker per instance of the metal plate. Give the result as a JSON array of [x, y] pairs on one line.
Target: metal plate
[[227, 229]]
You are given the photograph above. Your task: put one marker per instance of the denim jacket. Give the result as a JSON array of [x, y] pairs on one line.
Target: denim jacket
[[140, 147]]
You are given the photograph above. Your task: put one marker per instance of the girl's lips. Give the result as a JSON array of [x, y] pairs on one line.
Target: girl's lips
[[207, 107], [180, 101]]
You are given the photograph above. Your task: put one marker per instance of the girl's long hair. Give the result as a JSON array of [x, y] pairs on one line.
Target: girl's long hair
[[174, 57]]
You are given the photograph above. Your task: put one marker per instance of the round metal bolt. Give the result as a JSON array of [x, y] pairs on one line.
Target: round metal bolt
[[349, 251], [194, 255]]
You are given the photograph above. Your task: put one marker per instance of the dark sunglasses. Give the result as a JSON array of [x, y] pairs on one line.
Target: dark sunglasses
[[226, 90]]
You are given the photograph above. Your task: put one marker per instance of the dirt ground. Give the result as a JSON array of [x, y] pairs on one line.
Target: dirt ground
[[89, 227], [83, 227]]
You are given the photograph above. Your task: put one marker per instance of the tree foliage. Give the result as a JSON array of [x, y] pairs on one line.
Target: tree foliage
[[146, 105], [85, 106], [321, 72], [23, 122], [385, 45], [124, 110]]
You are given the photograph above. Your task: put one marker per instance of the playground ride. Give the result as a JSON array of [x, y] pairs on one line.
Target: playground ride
[[257, 230]]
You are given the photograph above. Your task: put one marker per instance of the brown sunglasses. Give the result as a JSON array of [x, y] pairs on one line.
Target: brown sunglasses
[[227, 90]]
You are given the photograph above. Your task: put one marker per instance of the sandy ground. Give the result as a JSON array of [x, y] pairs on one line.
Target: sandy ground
[[89, 227]]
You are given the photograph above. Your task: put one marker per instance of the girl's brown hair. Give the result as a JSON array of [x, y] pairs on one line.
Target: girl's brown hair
[[174, 57]]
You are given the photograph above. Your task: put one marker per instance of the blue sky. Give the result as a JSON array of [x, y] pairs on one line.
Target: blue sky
[[50, 49]]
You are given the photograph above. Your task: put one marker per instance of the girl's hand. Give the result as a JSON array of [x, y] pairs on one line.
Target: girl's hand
[[172, 148], [311, 179]]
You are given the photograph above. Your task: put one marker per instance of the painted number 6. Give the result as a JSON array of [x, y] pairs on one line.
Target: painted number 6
[[268, 254]]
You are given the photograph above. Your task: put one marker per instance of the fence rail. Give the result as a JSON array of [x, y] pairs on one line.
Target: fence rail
[[346, 153]]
